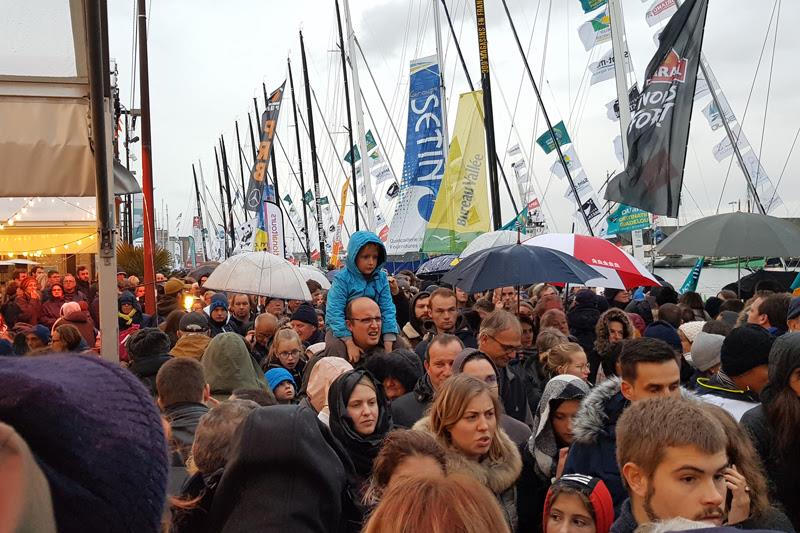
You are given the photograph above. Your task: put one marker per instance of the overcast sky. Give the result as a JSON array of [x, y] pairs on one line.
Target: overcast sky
[[208, 60]]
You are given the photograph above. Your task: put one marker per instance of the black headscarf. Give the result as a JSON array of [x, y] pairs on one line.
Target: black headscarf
[[362, 449]]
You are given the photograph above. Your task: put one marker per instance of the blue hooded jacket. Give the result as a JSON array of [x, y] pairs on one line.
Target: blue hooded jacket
[[350, 283]]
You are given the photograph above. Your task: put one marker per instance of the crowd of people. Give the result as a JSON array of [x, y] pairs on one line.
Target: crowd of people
[[391, 404]]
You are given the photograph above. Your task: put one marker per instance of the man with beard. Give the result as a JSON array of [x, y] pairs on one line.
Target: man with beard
[[241, 315], [672, 456]]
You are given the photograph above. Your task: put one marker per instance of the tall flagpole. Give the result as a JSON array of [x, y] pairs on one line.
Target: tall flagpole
[[299, 160], [437, 23], [362, 142], [199, 213]]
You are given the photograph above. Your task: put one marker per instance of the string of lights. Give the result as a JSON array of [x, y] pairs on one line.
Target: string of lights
[[54, 249]]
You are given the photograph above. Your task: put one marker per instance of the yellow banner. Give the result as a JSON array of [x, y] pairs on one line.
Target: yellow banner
[[461, 211], [336, 249]]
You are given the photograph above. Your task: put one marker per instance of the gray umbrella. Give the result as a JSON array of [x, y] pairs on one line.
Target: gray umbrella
[[735, 235]]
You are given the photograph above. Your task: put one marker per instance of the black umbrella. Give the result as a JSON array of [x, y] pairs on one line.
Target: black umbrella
[[780, 279], [435, 267], [515, 264], [204, 269]]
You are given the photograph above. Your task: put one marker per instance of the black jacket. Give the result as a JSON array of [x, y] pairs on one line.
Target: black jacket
[[582, 320], [145, 368], [195, 520], [183, 419], [514, 393], [410, 407]]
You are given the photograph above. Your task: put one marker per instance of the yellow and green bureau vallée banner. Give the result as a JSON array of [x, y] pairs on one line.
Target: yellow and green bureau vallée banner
[[461, 211]]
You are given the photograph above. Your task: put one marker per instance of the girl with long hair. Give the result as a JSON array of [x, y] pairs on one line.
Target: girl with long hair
[[287, 352]]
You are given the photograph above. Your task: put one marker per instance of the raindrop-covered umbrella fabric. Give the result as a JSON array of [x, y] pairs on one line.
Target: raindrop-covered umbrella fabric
[[735, 235], [313, 273], [515, 264], [436, 266], [203, 270], [490, 240], [620, 270], [260, 273]]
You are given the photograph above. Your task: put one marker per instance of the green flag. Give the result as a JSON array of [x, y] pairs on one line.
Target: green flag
[[591, 5], [308, 197], [545, 140], [323, 200], [370, 145]]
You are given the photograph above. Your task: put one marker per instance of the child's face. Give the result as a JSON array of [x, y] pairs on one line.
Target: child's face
[[284, 392], [367, 259]]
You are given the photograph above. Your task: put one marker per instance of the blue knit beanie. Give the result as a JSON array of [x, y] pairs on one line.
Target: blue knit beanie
[[666, 332], [97, 436], [6, 348], [276, 376], [218, 300], [42, 332]]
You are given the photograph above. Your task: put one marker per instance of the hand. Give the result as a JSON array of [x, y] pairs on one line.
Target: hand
[[388, 345], [393, 286], [353, 352], [250, 338], [562, 461], [740, 503]]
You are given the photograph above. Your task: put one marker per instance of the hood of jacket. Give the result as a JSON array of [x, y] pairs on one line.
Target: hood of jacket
[[148, 365], [357, 241], [228, 365], [423, 390], [77, 317], [416, 323], [192, 345], [323, 373], [599, 411], [583, 319], [601, 343], [498, 476]]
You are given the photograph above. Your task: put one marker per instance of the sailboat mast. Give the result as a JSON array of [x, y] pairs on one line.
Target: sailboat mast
[[314, 169], [241, 165], [437, 24], [222, 205], [362, 142], [299, 155], [349, 115], [618, 46], [494, 183], [199, 212], [224, 154]]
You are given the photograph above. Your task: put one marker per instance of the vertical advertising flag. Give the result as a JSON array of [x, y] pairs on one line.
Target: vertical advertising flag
[[461, 212], [336, 250], [269, 121], [273, 217], [659, 130], [423, 167]]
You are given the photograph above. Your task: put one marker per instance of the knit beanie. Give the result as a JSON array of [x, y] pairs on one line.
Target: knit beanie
[[6, 348], [745, 348], [126, 297], [147, 341], [97, 436], [306, 313], [276, 376], [173, 286], [691, 329], [217, 301], [706, 350], [595, 491], [42, 332], [664, 331]]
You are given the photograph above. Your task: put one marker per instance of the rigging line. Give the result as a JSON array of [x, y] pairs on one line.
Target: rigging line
[[531, 150], [380, 96], [735, 142], [785, 164], [294, 174], [769, 90], [700, 171]]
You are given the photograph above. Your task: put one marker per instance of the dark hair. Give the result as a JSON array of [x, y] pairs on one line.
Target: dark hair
[[644, 350], [692, 300], [781, 403], [171, 325], [400, 364], [442, 339], [612, 356], [671, 313], [727, 294], [687, 314], [70, 337], [81, 268], [179, 380], [735, 305], [214, 434], [484, 304], [313, 285], [717, 327], [776, 307], [667, 295], [262, 397], [51, 272]]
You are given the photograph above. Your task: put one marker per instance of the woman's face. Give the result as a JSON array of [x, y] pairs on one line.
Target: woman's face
[[461, 296], [362, 407], [547, 291], [578, 366], [685, 343], [561, 419], [415, 465], [623, 297], [126, 309], [472, 435], [57, 291], [55, 342], [527, 334], [289, 353], [568, 514], [139, 292]]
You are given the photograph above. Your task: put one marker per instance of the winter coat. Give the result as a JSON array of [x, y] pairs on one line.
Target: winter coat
[[350, 283], [499, 476], [410, 407], [227, 366], [735, 402], [51, 311], [191, 345], [625, 521], [195, 520], [74, 296], [145, 368], [82, 322], [29, 310], [582, 320], [401, 307], [335, 347], [513, 393], [183, 419], [221, 327], [165, 305], [594, 428]]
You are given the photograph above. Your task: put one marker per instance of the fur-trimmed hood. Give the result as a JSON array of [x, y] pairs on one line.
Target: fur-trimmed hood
[[601, 344], [600, 409], [497, 476]]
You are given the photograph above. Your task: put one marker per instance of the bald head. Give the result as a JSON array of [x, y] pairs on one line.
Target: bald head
[[265, 326], [363, 319]]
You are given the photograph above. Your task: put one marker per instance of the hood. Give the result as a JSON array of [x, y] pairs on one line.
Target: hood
[[78, 317], [602, 405], [228, 365], [583, 318], [324, 372], [543, 444], [498, 476], [784, 358], [461, 359], [601, 343], [412, 317], [191, 345], [357, 242], [302, 474], [127, 297]]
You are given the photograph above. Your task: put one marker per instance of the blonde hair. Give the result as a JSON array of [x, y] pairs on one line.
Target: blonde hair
[[456, 503], [450, 404], [560, 355], [283, 335]]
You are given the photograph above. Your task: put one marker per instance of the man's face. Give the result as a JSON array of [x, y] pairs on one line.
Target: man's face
[[160, 277], [293, 305], [616, 332], [83, 275], [219, 314], [241, 306], [443, 313], [367, 259], [794, 324], [55, 277], [23, 276], [508, 295], [69, 282], [275, 307], [264, 332], [654, 380], [202, 280], [364, 323], [422, 308], [439, 365], [33, 341], [303, 329], [754, 315], [688, 483], [502, 347], [121, 277]]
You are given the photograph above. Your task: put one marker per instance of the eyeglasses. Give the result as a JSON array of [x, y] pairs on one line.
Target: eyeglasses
[[293, 353], [507, 348], [368, 320]]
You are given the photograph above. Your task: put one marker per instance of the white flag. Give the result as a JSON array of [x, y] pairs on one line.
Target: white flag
[[582, 185], [660, 10], [573, 163], [603, 69], [618, 149], [724, 148], [701, 89], [595, 31], [714, 118]]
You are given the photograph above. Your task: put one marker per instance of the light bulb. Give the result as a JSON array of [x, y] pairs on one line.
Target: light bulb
[[52, 250], [79, 242], [10, 222], [66, 246]]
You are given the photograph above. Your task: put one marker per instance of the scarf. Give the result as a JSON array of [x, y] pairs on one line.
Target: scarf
[[128, 319]]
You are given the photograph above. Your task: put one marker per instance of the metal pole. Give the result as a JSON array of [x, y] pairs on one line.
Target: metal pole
[[619, 51], [437, 24], [299, 160], [241, 167], [351, 144], [314, 169], [147, 165], [549, 123], [252, 136], [231, 226], [362, 142], [488, 119], [222, 204], [199, 213]]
